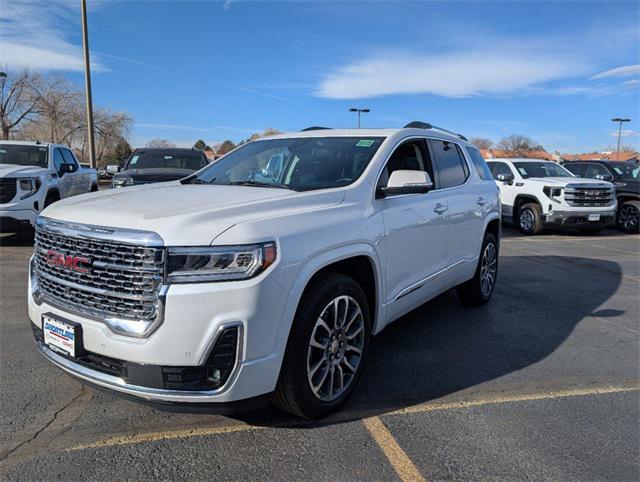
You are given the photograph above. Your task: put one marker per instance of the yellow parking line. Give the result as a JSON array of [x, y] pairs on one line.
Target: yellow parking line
[[397, 457], [631, 386], [169, 435], [578, 392]]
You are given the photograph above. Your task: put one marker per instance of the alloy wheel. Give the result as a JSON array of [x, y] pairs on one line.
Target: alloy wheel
[[488, 269], [335, 348], [628, 217], [527, 220]]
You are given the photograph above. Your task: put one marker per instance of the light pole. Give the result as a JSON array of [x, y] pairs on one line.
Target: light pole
[[620, 121], [359, 111], [87, 83]]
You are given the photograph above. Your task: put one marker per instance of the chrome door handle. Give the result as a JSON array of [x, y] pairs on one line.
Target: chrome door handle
[[481, 201], [439, 208]]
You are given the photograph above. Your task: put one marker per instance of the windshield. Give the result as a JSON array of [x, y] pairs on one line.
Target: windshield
[[541, 169], [301, 164], [627, 170], [23, 155], [191, 160]]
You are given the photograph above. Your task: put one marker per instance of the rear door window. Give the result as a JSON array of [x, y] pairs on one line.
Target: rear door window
[[449, 162]]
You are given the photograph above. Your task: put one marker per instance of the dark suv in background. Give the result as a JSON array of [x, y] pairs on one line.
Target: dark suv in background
[[147, 165], [626, 178]]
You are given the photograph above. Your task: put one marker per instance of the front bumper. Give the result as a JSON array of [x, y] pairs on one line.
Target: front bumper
[[194, 317], [579, 219], [17, 220]]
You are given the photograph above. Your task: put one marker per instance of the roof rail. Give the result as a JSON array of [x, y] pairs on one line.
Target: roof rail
[[426, 125], [315, 128]]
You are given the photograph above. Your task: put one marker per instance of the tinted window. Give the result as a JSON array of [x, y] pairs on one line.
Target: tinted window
[[594, 170], [452, 170], [577, 169], [58, 160], [68, 158], [297, 163], [498, 168], [479, 163], [23, 155], [191, 160]]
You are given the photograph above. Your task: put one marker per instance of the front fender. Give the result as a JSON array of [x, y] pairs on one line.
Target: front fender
[[321, 260]]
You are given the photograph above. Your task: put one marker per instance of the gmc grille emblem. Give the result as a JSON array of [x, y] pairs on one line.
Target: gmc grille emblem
[[67, 261]]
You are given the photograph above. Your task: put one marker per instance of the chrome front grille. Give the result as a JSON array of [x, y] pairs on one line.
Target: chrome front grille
[[114, 279], [589, 196]]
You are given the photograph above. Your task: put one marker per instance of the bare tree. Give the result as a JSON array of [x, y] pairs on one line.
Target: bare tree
[[225, 147], [200, 145], [519, 145], [19, 100], [159, 143], [482, 142]]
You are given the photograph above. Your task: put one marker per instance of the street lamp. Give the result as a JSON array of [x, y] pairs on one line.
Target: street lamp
[[620, 121], [359, 111], [87, 83]]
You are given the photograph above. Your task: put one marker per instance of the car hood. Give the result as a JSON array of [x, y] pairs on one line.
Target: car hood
[[14, 170], [183, 215], [565, 181], [157, 174]]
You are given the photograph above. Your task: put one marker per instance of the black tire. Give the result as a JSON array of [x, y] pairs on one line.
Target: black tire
[[533, 214], [628, 217], [51, 198], [293, 392], [472, 292]]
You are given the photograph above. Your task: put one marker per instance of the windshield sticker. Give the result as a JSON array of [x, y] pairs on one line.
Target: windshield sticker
[[365, 143]]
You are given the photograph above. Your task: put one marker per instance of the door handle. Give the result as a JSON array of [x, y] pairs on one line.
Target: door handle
[[481, 201], [439, 208]]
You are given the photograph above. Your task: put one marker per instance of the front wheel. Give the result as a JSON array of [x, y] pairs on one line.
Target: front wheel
[[530, 219], [327, 347], [628, 218], [478, 290]]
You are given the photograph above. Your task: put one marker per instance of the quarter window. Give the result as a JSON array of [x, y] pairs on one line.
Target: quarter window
[[452, 169], [479, 163]]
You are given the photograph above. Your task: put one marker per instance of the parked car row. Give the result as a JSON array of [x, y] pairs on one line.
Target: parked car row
[[262, 276]]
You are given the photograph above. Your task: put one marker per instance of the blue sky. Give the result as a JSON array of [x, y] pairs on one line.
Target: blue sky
[[555, 71]]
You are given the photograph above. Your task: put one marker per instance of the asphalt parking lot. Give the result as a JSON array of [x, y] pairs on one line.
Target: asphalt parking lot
[[543, 383]]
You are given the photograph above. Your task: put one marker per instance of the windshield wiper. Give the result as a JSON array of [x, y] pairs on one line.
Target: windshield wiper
[[259, 184]]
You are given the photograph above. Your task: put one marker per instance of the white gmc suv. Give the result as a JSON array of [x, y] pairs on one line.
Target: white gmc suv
[[34, 175], [263, 275], [536, 193]]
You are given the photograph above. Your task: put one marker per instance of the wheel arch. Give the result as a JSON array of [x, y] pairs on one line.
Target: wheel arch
[[359, 262], [519, 201]]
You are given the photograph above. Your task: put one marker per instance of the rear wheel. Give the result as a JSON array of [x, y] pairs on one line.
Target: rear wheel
[[478, 290], [628, 217], [530, 219], [327, 347]]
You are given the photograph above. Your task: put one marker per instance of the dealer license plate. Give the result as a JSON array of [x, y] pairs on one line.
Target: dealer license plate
[[594, 217], [59, 336]]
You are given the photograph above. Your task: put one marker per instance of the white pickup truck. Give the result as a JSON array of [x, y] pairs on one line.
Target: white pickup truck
[[536, 193], [263, 276], [34, 175]]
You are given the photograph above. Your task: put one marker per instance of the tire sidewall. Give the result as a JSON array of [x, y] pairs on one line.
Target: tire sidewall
[[488, 238], [618, 220], [536, 219]]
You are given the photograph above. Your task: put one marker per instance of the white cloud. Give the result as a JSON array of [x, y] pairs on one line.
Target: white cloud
[[256, 92], [452, 75], [625, 133], [31, 38], [624, 71]]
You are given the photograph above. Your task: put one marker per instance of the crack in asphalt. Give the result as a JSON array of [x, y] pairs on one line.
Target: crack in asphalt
[[7, 454]]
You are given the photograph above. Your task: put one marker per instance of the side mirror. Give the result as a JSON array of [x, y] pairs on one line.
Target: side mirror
[[65, 168], [113, 169], [604, 177], [406, 182], [506, 178]]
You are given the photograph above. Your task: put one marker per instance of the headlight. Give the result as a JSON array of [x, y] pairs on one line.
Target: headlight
[[553, 193], [122, 181], [220, 263], [29, 186]]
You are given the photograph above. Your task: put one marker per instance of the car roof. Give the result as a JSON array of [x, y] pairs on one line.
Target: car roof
[[363, 133], [518, 159], [180, 150], [28, 143]]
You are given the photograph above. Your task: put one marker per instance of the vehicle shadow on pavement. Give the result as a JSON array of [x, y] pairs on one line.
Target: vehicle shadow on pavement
[[444, 347]]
